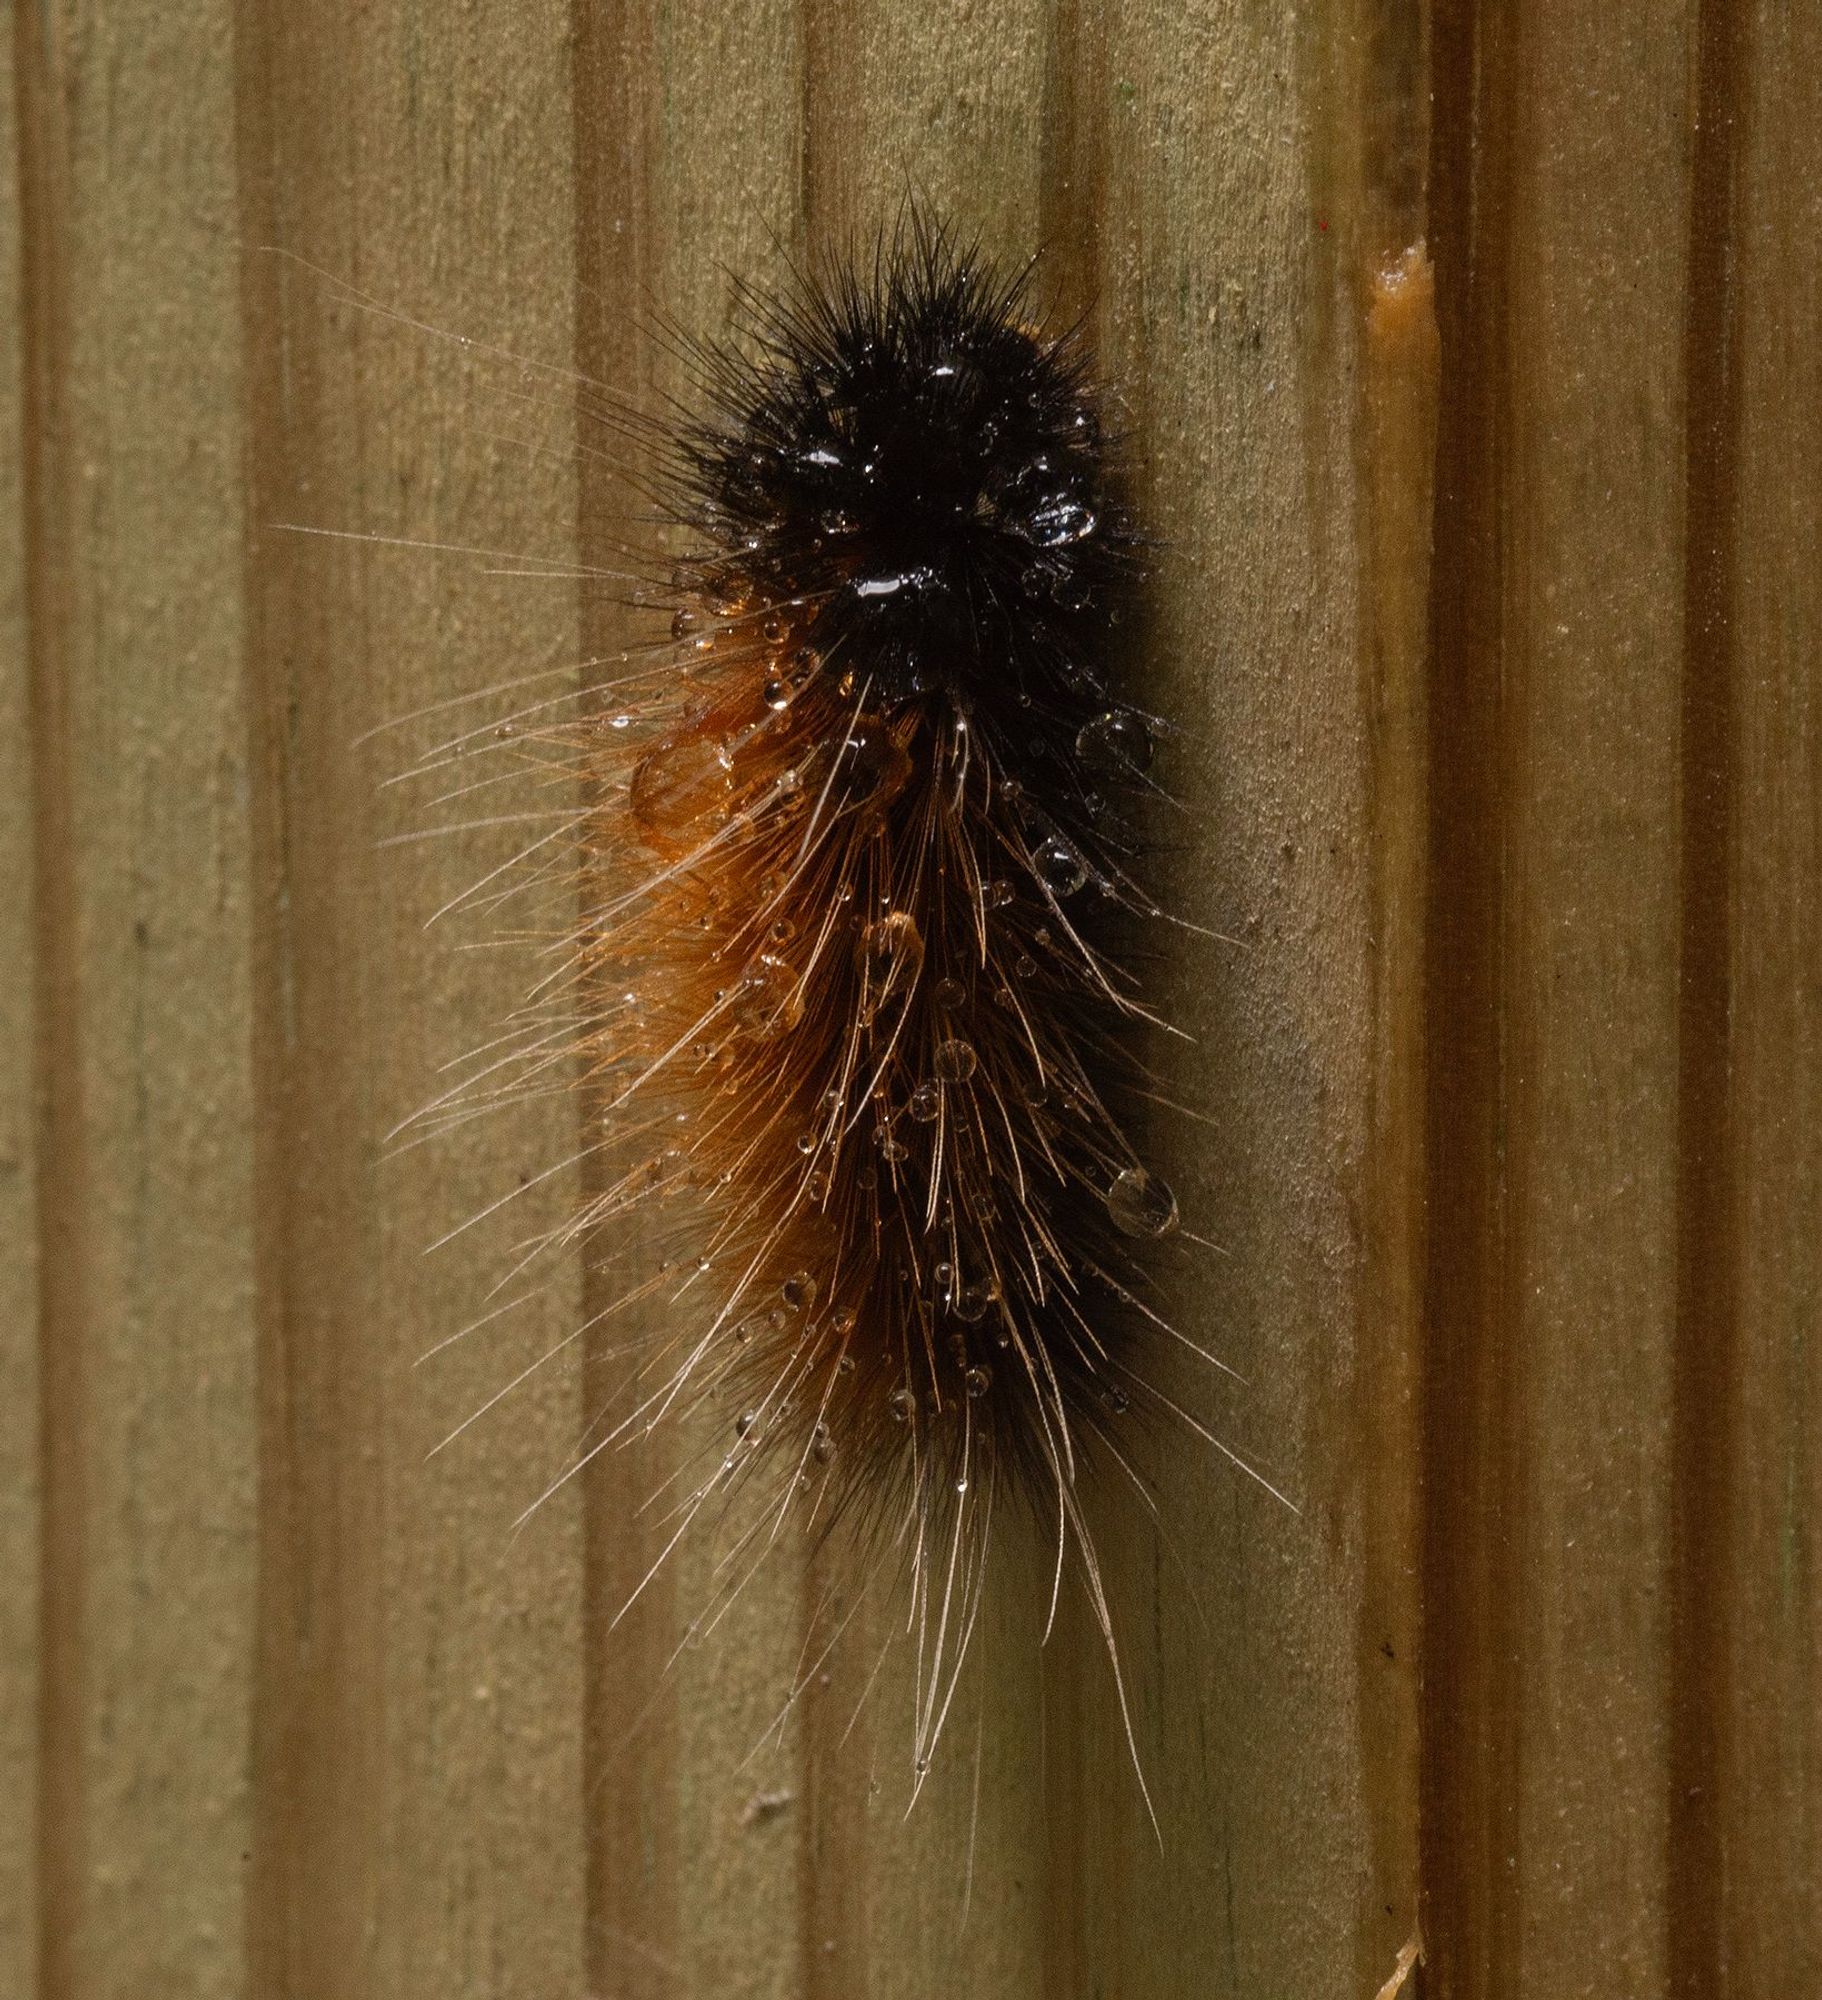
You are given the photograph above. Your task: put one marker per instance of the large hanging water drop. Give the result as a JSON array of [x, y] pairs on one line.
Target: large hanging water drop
[[1141, 1204], [1060, 868], [1116, 744]]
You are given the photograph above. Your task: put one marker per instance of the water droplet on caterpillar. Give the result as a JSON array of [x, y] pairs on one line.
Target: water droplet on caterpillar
[[1117, 743], [977, 1380], [950, 993], [1060, 868], [972, 1301], [926, 1103], [1141, 1204], [955, 1060], [799, 1291], [769, 1001], [901, 1403], [1060, 520], [681, 788], [871, 767], [822, 1444], [888, 958]]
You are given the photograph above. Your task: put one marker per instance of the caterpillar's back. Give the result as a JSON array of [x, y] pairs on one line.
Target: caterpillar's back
[[853, 989]]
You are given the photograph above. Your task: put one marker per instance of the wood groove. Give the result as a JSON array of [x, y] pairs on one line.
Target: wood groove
[[52, 626], [23, 1217], [1705, 1440], [1377, 193], [276, 1958], [1472, 1713]]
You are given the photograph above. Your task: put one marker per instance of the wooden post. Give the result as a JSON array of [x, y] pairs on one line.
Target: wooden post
[[1471, 358]]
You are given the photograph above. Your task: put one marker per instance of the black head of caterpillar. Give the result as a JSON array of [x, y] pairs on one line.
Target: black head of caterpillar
[[853, 986], [928, 476]]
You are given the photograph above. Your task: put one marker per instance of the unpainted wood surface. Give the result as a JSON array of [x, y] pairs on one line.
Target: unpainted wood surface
[[1557, 1084], [1513, 1075], [1622, 1402], [136, 885], [20, 1496]]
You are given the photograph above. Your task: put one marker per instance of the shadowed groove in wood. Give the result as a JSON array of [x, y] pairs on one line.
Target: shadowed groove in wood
[[831, 1890], [1473, 1711], [21, 1219], [1707, 1329], [1073, 188], [1378, 198], [285, 1715], [50, 612], [823, 46], [268, 1965], [318, 1696], [1396, 445]]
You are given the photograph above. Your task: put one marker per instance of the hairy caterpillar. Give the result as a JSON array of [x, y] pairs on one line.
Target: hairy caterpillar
[[852, 994]]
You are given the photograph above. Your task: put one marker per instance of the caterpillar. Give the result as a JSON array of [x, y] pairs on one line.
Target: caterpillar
[[853, 986]]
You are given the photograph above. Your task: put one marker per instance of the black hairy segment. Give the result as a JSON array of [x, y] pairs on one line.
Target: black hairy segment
[[927, 472]]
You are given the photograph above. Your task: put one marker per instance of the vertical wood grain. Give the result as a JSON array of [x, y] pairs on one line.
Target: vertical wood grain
[[132, 547], [1239, 198], [418, 1701], [1704, 1473], [1507, 798], [1557, 942], [20, 1493], [1381, 123], [1762, 1830], [1397, 440]]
